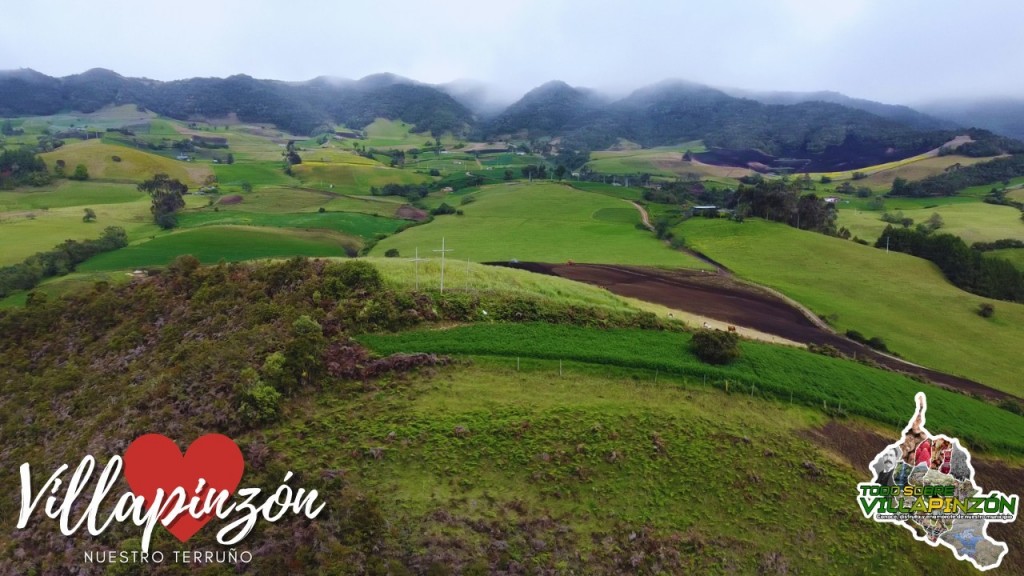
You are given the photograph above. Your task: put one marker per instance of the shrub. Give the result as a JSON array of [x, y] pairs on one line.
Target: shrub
[[986, 310], [391, 253], [354, 276], [715, 346], [261, 404]]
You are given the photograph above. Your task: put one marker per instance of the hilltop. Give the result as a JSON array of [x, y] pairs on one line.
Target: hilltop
[[808, 132]]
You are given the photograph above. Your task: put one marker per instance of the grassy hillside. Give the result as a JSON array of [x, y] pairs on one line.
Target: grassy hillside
[[542, 222], [972, 221], [433, 466], [353, 178], [25, 232], [763, 371], [211, 244], [67, 194], [362, 225], [1015, 255], [904, 300], [135, 165], [666, 161]]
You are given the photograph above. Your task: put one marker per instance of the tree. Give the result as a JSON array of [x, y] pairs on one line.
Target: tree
[[304, 354], [167, 199], [80, 173], [715, 346], [231, 158], [559, 171], [935, 222], [391, 253], [90, 215], [246, 187], [508, 175]]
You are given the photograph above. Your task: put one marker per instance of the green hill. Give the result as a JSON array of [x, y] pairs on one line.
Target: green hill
[[543, 222], [902, 299], [590, 468]]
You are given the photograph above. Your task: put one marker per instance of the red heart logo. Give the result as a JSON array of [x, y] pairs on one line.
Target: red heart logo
[[154, 461]]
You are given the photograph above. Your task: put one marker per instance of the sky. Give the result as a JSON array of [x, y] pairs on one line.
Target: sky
[[894, 51]]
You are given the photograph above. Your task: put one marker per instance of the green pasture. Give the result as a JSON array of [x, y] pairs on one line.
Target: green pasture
[[379, 205], [783, 373], [265, 173], [543, 222], [1014, 255], [353, 178], [900, 298], [210, 244], [135, 165], [25, 232], [972, 221], [582, 461], [67, 193], [363, 225], [402, 272]]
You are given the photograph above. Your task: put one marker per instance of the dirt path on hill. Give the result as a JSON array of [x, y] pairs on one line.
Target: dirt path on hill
[[722, 297]]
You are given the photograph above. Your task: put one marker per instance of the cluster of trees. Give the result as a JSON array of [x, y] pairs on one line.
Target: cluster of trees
[[21, 167], [949, 183], [824, 134], [299, 107], [781, 201], [167, 194], [59, 261], [411, 192], [963, 266]]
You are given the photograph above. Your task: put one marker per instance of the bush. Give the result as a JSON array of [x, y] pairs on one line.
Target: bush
[[391, 253], [986, 310], [715, 346], [354, 276], [261, 404]]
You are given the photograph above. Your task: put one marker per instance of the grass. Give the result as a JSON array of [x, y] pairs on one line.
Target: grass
[[135, 165], [783, 373], [596, 464], [1014, 255], [255, 173], [902, 299], [58, 286], [23, 233], [665, 161], [231, 243], [362, 225], [912, 168], [66, 194], [400, 272], [972, 221], [353, 178], [384, 133], [541, 222]]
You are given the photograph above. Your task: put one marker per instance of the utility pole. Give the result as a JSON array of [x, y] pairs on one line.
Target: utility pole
[[442, 251], [417, 260]]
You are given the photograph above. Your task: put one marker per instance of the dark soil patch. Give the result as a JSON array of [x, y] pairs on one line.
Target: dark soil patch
[[726, 299], [408, 212], [232, 199]]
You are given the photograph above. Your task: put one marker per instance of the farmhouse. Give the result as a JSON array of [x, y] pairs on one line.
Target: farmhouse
[[832, 200]]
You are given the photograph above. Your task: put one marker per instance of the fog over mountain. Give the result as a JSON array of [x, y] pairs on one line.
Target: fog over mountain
[[892, 52]]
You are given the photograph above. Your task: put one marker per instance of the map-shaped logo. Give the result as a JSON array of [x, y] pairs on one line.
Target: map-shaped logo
[[926, 484]]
